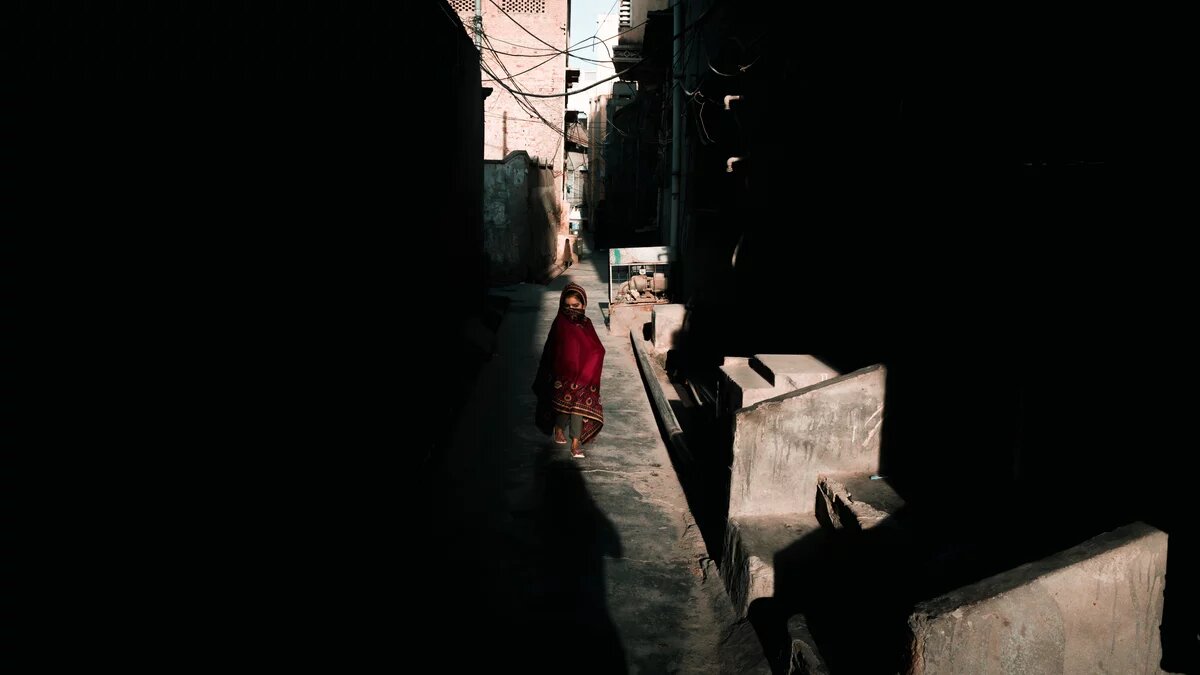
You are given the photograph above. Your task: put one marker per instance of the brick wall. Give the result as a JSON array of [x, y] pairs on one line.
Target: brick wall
[[508, 127]]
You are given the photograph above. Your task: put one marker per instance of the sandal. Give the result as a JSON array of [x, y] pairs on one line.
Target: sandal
[[559, 437], [576, 450]]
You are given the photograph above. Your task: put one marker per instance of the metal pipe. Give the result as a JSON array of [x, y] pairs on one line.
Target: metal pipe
[[650, 374], [676, 120], [478, 21]]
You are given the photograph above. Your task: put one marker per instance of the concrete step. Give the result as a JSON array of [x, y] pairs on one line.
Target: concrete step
[[756, 545], [855, 501], [790, 372], [782, 445], [741, 385], [667, 327], [748, 380]]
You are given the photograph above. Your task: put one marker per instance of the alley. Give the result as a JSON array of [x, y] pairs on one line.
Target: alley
[[572, 565], [917, 346]]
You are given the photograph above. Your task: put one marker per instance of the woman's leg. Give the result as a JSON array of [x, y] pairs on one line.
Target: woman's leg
[[576, 426], [576, 432], [562, 422]]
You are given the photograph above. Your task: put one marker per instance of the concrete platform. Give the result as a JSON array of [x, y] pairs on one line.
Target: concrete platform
[[667, 323], [781, 445], [1093, 608], [756, 545], [746, 381], [791, 371], [623, 315], [741, 385], [853, 501], [596, 559]]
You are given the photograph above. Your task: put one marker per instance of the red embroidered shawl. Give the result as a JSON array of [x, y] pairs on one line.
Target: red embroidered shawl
[[568, 378]]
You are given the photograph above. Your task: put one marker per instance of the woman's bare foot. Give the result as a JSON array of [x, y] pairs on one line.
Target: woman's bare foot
[[559, 437], [576, 450]]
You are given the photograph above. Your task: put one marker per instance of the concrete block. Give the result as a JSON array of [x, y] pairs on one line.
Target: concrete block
[[758, 378], [783, 444], [668, 322], [1094, 608], [740, 386], [854, 501], [805, 657], [622, 316], [791, 371], [753, 548]]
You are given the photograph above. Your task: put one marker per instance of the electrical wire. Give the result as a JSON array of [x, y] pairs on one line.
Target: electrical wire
[[521, 99], [700, 116], [741, 68], [570, 50], [552, 47], [540, 52], [597, 83], [512, 119], [517, 94], [522, 27], [454, 20], [597, 31], [539, 65], [567, 52]]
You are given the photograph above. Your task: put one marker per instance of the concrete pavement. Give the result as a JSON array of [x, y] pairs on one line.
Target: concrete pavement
[[550, 564]]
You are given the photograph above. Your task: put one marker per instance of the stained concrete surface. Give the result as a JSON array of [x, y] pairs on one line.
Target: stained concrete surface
[[548, 564]]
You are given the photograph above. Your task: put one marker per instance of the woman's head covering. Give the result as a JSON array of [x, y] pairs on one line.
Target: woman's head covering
[[573, 288], [573, 314]]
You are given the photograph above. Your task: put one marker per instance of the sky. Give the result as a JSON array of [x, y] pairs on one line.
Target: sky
[[583, 26]]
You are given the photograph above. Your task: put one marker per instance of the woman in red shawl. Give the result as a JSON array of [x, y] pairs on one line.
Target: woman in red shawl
[[568, 379]]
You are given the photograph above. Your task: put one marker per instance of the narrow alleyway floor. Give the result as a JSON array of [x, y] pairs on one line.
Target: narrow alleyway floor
[[551, 564]]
